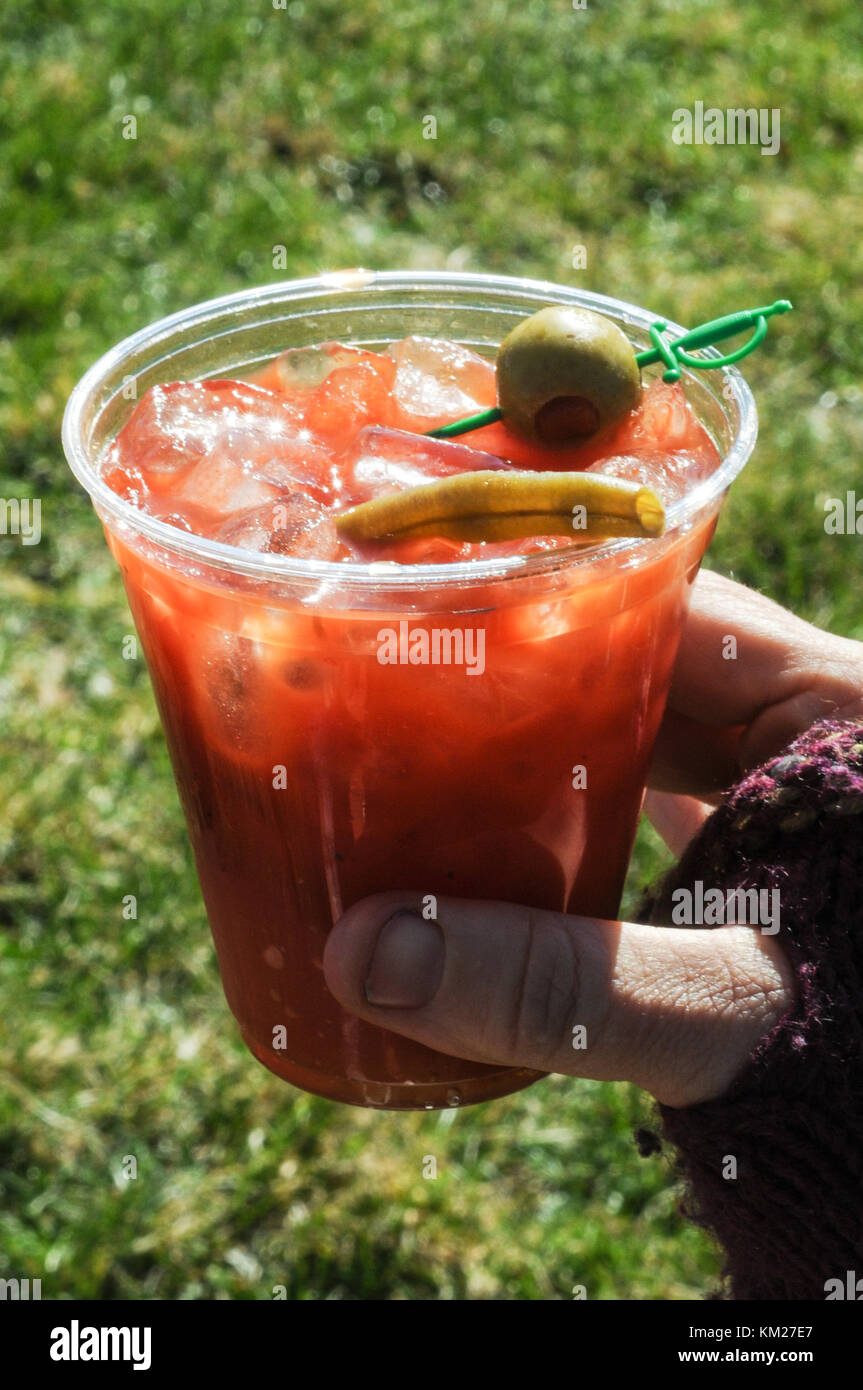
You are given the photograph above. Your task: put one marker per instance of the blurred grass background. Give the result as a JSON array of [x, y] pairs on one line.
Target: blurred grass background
[[304, 127]]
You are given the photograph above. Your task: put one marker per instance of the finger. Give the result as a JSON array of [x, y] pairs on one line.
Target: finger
[[741, 654], [693, 758], [676, 818], [676, 1011], [749, 677]]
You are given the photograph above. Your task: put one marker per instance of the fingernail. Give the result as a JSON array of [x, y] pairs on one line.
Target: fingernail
[[406, 966]]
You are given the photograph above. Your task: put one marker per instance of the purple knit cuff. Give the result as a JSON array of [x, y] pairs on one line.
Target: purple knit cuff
[[788, 1211]]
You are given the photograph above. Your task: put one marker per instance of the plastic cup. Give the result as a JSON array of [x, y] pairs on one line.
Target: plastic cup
[[311, 772]]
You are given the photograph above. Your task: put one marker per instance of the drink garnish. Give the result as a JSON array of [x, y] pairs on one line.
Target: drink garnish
[[487, 506], [567, 374]]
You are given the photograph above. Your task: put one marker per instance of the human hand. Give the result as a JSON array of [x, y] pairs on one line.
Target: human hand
[[677, 1011], [749, 677]]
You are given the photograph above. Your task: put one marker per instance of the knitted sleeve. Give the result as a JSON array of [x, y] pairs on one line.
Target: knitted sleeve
[[774, 1167]]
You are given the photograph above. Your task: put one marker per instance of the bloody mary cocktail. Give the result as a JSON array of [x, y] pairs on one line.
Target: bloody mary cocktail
[[456, 718]]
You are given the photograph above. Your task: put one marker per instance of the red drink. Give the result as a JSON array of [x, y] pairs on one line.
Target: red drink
[[482, 730]]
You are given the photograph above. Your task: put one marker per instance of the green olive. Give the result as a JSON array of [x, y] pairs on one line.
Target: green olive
[[566, 374]]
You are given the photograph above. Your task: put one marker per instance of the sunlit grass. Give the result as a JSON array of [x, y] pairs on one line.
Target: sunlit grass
[[304, 128]]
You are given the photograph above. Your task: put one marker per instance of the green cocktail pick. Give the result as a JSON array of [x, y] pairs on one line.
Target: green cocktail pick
[[674, 354], [715, 331]]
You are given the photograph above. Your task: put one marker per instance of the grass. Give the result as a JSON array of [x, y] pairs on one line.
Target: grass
[[304, 128]]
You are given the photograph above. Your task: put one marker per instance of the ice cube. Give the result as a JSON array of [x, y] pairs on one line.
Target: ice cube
[[218, 486], [177, 425], [177, 519], [301, 461], [335, 389], [381, 460], [249, 530], [305, 368], [164, 436], [669, 474], [124, 477], [228, 679], [314, 540], [276, 453], [664, 426], [353, 394], [665, 419], [294, 524], [437, 382]]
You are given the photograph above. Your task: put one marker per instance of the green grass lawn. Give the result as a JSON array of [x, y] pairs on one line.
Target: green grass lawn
[[304, 127]]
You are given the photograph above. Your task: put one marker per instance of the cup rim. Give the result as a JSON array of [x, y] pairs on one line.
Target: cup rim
[[390, 574]]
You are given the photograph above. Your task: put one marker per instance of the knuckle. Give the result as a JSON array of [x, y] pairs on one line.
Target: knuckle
[[544, 1002]]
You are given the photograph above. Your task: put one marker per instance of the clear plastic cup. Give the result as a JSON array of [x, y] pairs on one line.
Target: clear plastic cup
[[312, 775]]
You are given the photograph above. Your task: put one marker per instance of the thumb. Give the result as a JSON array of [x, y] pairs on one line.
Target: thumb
[[677, 1011]]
